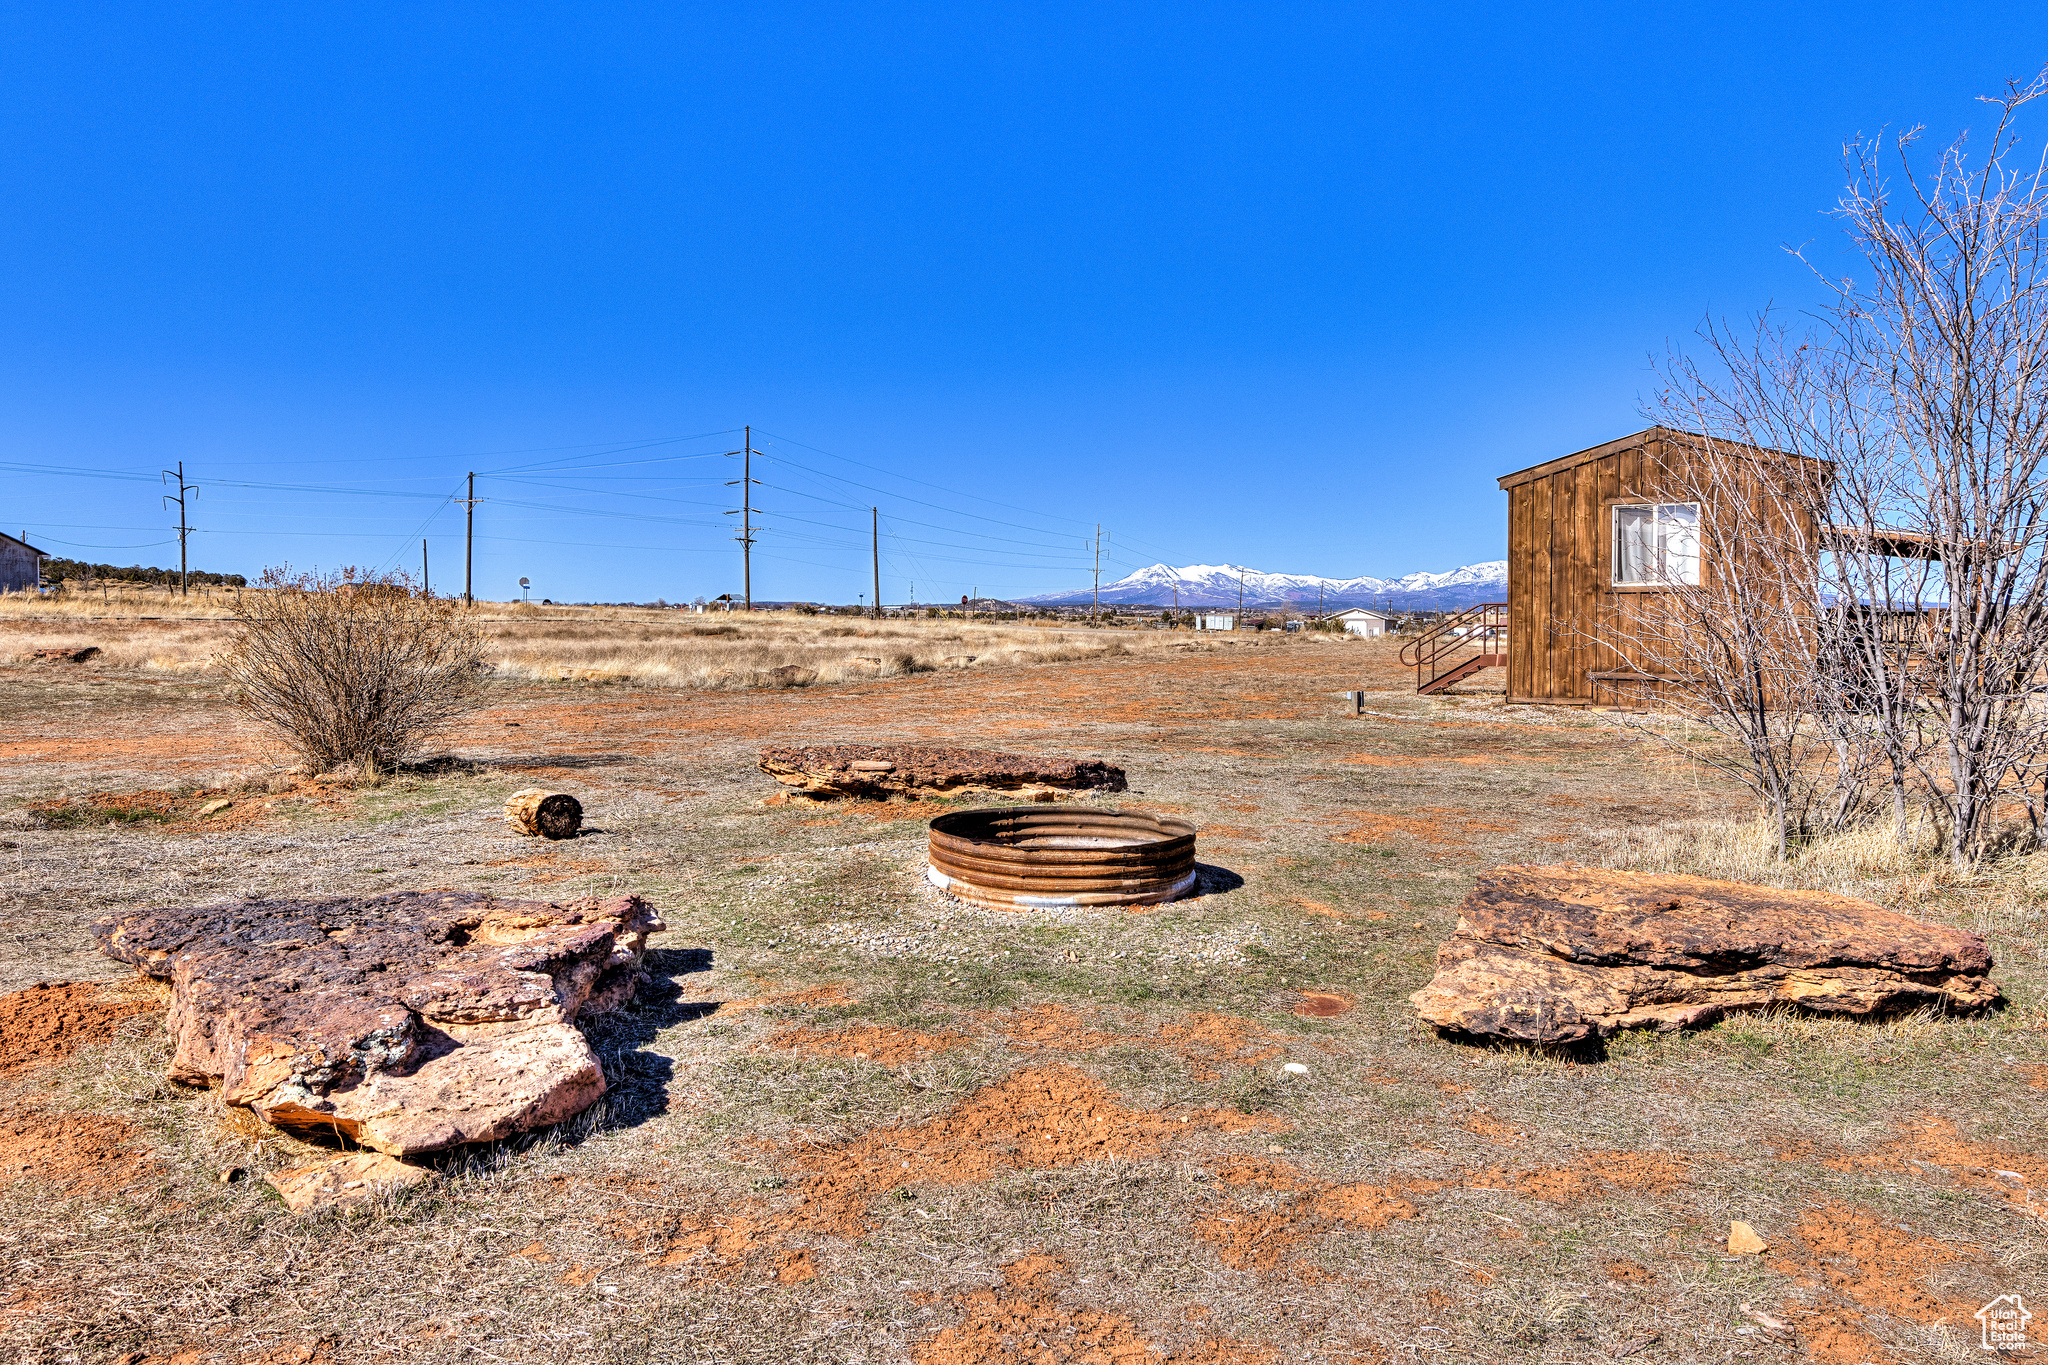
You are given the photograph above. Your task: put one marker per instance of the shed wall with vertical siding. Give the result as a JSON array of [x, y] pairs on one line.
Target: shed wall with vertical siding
[[1571, 632]]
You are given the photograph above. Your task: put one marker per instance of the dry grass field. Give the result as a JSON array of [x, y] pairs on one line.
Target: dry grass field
[[858, 1122], [158, 633]]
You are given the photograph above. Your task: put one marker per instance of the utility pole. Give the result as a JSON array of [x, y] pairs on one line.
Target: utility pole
[[745, 512], [469, 541], [876, 514], [1098, 569], [183, 529], [425, 589], [1240, 592]]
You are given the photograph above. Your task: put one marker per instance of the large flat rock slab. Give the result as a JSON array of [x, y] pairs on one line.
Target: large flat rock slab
[[1562, 955], [405, 1022], [884, 770]]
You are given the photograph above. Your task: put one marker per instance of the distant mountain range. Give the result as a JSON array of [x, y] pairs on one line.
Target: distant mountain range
[[1216, 585]]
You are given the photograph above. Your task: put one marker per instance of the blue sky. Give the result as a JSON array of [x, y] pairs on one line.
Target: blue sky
[[1280, 285]]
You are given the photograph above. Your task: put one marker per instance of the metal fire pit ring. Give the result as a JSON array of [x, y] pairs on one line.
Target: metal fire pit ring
[[1065, 857]]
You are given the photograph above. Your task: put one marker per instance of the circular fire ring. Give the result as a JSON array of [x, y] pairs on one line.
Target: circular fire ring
[[1044, 857]]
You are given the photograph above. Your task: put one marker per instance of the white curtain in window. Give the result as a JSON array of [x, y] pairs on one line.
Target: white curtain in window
[[1678, 542], [1635, 544]]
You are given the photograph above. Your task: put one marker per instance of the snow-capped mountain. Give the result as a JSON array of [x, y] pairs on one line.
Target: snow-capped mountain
[[1216, 585]]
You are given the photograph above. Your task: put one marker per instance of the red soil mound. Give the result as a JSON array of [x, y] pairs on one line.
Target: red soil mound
[[1258, 1239], [1039, 1117], [1640, 1172], [78, 1153], [1025, 1323], [53, 1019], [1872, 1267], [1204, 1041]]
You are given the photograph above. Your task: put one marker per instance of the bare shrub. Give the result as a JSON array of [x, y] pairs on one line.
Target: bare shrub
[[353, 669]]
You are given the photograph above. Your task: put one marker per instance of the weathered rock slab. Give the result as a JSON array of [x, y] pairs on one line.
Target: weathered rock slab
[[406, 1022], [356, 1178], [884, 770], [1563, 955]]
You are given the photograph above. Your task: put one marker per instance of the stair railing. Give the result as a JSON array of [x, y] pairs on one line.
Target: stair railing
[[1475, 631]]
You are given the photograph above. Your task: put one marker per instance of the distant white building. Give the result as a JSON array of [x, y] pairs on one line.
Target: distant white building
[[1359, 621], [1215, 623]]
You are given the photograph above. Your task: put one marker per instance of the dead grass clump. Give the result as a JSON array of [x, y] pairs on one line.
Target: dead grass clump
[[353, 670]]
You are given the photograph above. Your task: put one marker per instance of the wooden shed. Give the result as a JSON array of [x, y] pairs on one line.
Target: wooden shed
[[21, 565], [1597, 542]]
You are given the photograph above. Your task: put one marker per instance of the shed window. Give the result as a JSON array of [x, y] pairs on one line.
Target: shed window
[[1657, 543]]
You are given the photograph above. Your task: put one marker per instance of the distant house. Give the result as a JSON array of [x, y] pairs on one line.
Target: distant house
[[1359, 621], [21, 565], [1215, 623]]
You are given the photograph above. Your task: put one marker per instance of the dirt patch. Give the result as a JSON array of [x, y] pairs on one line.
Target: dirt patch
[[1052, 1026], [831, 995], [1494, 1129], [76, 1153], [1323, 1005], [866, 1043], [1259, 1239], [1040, 1118], [2015, 1177], [1870, 1267], [1441, 826], [1204, 1041], [1322, 908], [1024, 1323], [1590, 1175], [717, 1244], [53, 1019]]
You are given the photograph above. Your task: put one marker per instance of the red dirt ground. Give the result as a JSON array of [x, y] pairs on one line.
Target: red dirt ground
[[77, 1153], [53, 1019], [1025, 1322], [1870, 1266], [1040, 1117]]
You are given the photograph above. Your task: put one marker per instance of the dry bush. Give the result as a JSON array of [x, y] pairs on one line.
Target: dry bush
[[353, 669]]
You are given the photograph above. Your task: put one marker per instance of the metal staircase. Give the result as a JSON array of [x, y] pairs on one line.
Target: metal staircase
[[1458, 646]]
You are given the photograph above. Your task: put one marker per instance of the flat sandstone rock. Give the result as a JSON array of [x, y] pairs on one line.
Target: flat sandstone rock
[[1567, 954], [882, 770], [405, 1022], [353, 1179]]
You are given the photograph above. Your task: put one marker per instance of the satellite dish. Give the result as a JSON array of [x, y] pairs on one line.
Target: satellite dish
[[525, 582]]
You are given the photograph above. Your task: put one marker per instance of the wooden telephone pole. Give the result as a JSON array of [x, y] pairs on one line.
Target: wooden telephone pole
[[876, 514], [183, 529], [745, 512], [469, 541], [1097, 608]]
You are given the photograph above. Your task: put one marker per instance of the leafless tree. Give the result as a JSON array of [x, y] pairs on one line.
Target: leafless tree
[[353, 668], [1733, 621], [1924, 391]]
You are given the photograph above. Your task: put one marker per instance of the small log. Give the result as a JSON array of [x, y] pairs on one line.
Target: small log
[[552, 815]]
